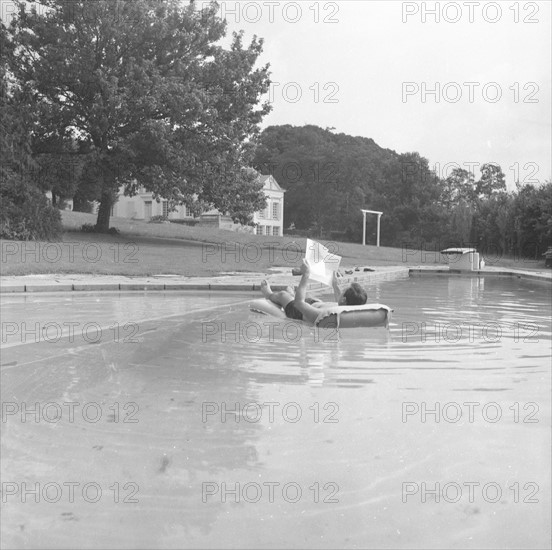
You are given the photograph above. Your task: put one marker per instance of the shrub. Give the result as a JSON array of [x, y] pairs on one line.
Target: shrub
[[88, 228], [158, 219], [190, 222], [91, 228], [25, 213]]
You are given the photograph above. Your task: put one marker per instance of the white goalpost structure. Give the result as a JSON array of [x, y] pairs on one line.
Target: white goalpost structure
[[364, 212]]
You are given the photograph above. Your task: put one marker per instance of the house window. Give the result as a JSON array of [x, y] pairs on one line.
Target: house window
[[275, 211], [259, 230], [267, 230], [112, 210], [276, 230], [166, 209], [261, 214]]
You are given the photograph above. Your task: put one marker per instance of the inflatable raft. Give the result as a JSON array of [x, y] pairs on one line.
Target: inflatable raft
[[334, 316]]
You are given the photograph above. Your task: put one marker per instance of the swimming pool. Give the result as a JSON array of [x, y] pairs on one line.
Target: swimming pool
[[180, 420]]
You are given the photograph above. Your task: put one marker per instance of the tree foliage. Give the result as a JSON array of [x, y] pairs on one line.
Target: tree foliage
[[24, 211], [492, 181], [150, 97], [330, 177]]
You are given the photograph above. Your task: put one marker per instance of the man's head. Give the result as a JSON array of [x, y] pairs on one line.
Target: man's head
[[355, 295]]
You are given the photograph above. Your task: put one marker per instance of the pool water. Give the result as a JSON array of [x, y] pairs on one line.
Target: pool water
[[197, 424]]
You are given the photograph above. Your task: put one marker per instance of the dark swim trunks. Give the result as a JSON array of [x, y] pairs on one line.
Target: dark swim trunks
[[293, 313]]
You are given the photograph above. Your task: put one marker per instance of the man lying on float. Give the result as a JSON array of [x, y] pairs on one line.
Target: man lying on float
[[310, 309]]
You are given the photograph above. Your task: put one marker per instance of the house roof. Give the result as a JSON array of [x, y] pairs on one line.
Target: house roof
[[269, 183]]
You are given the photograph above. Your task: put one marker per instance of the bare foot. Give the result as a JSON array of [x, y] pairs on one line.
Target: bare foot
[[265, 288]]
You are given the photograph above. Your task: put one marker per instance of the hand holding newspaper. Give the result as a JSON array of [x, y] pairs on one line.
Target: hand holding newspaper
[[322, 262]]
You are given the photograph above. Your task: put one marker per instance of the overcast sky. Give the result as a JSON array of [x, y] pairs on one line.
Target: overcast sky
[[374, 60]]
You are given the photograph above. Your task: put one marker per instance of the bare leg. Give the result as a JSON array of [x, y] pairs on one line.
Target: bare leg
[[281, 298], [310, 313]]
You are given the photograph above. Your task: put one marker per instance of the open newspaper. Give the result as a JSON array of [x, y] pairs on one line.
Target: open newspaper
[[322, 262]]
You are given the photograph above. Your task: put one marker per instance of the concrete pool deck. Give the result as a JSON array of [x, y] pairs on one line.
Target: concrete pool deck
[[279, 279]]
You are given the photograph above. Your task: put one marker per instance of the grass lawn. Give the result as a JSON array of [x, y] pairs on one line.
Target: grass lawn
[[151, 249]]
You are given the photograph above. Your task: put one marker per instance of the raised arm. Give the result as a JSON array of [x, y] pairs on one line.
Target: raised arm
[[335, 286], [310, 313], [301, 292]]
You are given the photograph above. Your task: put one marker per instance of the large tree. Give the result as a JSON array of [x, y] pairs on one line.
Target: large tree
[[151, 96], [492, 180], [458, 188], [24, 211]]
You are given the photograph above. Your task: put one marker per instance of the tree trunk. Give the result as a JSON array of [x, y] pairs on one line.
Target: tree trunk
[[104, 213]]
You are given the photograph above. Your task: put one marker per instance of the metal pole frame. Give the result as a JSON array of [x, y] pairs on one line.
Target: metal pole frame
[[364, 212]]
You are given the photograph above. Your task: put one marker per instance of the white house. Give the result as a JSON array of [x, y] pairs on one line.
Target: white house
[[143, 206], [270, 221]]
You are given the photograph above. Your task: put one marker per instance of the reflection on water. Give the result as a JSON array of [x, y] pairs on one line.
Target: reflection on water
[[208, 393]]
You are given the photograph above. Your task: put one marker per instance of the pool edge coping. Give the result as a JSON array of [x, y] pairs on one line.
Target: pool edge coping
[[153, 284], [494, 272]]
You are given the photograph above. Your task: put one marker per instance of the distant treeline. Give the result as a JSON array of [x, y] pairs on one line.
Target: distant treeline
[[329, 177]]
